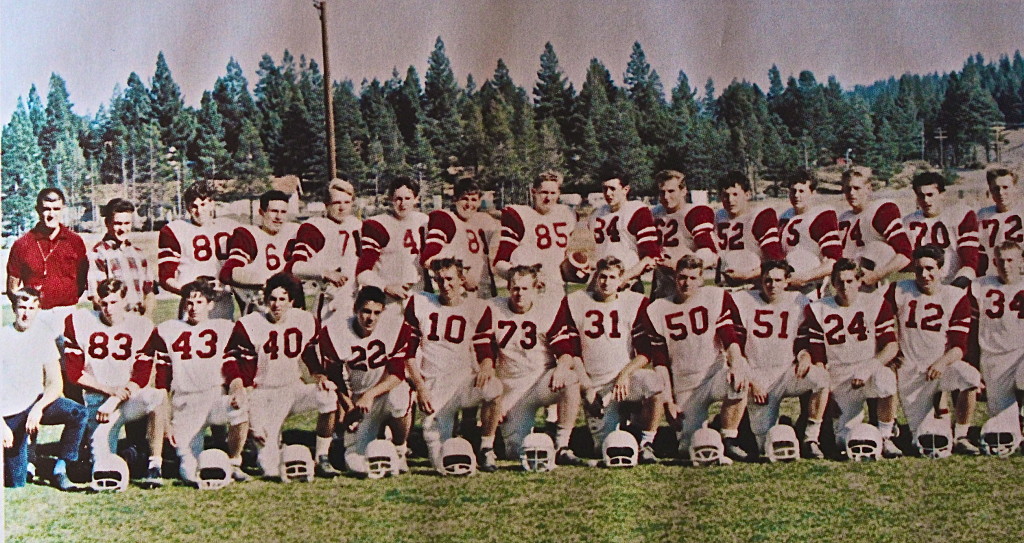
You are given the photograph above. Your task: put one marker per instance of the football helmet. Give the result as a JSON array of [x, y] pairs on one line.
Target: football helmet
[[457, 457], [864, 443], [214, 470], [381, 459], [620, 450], [935, 438], [538, 452], [781, 444], [1001, 435], [706, 447], [296, 464], [109, 474]]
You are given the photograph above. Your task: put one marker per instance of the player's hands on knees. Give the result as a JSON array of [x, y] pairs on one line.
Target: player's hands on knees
[[760, 397], [737, 381], [336, 278], [8, 437], [857, 383], [398, 290], [485, 374], [102, 416], [325, 384], [363, 404], [560, 378], [621, 389], [423, 400], [674, 414], [802, 367], [32, 422], [259, 436], [935, 371]]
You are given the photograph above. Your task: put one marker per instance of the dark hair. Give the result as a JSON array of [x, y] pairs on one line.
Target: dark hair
[[609, 262], [403, 181], [995, 173], [929, 178], [464, 186], [1009, 246], [370, 294], [665, 176], [200, 190], [802, 175], [532, 270], [732, 179], [689, 262], [25, 294], [769, 265], [117, 205], [110, 286], [845, 264], [615, 172], [272, 196], [291, 284], [547, 175], [931, 251], [439, 264], [202, 286], [45, 195]]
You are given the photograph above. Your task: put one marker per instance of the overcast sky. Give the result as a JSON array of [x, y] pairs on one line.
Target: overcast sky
[[95, 44]]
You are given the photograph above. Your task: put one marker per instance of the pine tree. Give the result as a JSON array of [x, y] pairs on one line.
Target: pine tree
[[553, 93], [440, 99], [210, 156], [23, 172], [58, 140], [405, 100], [36, 111], [967, 113], [350, 132], [235, 104], [274, 94], [176, 128], [653, 121]]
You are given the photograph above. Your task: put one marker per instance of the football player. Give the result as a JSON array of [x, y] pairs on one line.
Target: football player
[[933, 321], [693, 345], [683, 229], [189, 355], [256, 253], [624, 229], [873, 234], [534, 344], [391, 243], [854, 334], [108, 354], [1003, 221], [459, 234], [769, 319], [537, 234], [614, 370], [747, 235], [262, 367], [998, 304], [448, 333], [326, 250], [357, 356], [194, 248], [954, 229], [810, 236]]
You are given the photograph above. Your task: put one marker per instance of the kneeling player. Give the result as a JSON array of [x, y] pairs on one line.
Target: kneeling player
[[933, 321], [534, 345], [700, 361], [613, 370], [262, 364], [356, 352], [190, 356], [999, 303], [854, 334], [770, 318]]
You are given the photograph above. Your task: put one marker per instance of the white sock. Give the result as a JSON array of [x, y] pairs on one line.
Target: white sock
[[562, 437], [729, 434], [486, 442], [155, 462], [886, 428], [813, 430], [647, 438], [960, 430], [323, 446]]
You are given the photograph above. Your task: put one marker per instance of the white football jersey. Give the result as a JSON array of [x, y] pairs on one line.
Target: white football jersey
[[955, 231], [607, 331], [528, 238], [879, 223], [928, 326], [187, 251], [191, 358], [113, 355], [768, 330], [814, 233], [529, 343], [362, 361], [329, 245], [683, 232], [627, 234], [391, 249], [257, 250], [1000, 315], [448, 236], [995, 228], [839, 335], [447, 339], [268, 355], [756, 231]]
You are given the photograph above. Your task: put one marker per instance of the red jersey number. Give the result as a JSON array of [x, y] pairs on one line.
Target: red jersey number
[[369, 357], [698, 320], [836, 336], [529, 339], [100, 348], [290, 343], [183, 345]]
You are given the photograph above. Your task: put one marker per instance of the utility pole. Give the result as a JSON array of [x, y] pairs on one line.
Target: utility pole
[[332, 158], [922, 142], [941, 135], [998, 129]]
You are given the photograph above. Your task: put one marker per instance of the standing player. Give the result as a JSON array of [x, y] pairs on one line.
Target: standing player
[[810, 236], [534, 344], [998, 302], [116, 257], [326, 250], [693, 345], [189, 358], [109, 355], [453, 234], [952, 229], [614, 373], [448, 332], [625, 229], [683, 229], [873, 234], [257, 253], [747, 235], [770, 318], [264, 354], [1003, 221], [538, 234], [853, 333], [356, 353], [194, 248], [392, 242], [933, 321]]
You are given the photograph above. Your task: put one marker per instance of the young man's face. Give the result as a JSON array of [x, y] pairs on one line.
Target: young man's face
[[368, 315], [1008, 265], [672, 194], [857, 191], [50, 212], [1003, 191], [120, 225], [930, 200], [274, 216], [339, 206], [112, 307], [450, 284], [926, 273], [201, 211], [25, 312], [800, 196], [774, 283], [404, 202], [615, 193], [545, 196], [522, 292], [688, 281], [847, 285], [467, 205], [278, 301], [735, 200], [607, 282], [197, 308]]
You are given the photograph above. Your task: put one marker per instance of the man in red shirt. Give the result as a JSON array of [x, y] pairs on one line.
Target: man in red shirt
[[51, 259]]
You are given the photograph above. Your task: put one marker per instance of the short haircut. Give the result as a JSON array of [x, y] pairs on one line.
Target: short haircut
[[856, 172], [110, 286], [403, 181], [338, 184], [531, 271], [802, 175], [291, 284], [547, 175], [465, 186], [769, 265], [49, 194], [272, 196], [25, 294], [996, 172], [616, 172], [924, 179], [608, 263], [933, 252], [439, 264], [370, 294], [1008, 246], [664, 176], [200, 286], [200, 190], [117, 205], [845, 264], [689, 262], [732, 179]]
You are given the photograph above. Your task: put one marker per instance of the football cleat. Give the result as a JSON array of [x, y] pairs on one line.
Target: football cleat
[[457, 457], [403, 461], [538, 453], [781, 445], [935, 438], [109, 474], [890, 450], [619, 450], [153, 479], [565, 457], [381, 459], [488, 461], [734, 451], [707, 448], [812, 451], [238, 475], [296, 464], [864, 443], [647, 455], [1001, 434], [324, 469], [964, 447], [213, 470]]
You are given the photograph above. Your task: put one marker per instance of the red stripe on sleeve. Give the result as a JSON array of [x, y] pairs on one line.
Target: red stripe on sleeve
[[641, 225], [512, 232], [766, 231], [440, 232], [168, 254], [887, 222], [700, 222], [374, 238]]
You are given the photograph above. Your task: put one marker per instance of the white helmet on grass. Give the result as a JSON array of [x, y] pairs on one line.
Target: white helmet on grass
[[864, 443], [214, 470], [781, 444], [381, 459], [538, 453], [296, 464], [457, 457], [620, 450]]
